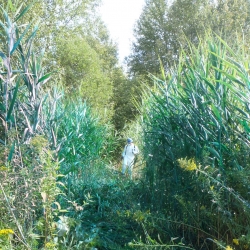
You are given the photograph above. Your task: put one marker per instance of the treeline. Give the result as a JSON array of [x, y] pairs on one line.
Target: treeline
[[166, 28]]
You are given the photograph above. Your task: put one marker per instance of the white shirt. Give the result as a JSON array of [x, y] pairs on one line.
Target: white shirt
[[129, 152]]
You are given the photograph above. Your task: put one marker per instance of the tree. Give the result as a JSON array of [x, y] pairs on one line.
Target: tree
[[151, 32], [165, 29], [83, 57], [86, 59], [125, 96], [51, 15], [82, 72]]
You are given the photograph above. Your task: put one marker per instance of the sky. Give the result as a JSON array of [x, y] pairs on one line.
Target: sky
[[120, 17]]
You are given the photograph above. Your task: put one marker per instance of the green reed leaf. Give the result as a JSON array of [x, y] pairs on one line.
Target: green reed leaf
[[19, 40], [13, 101], [24, 11], [12, 149]]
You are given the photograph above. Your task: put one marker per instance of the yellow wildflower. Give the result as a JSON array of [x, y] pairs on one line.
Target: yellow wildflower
[[3, 168], [127, 213], [6, 231], [236, 241], [139, 216], [229, 248], [188, 165], [211, 188], [50, 245]]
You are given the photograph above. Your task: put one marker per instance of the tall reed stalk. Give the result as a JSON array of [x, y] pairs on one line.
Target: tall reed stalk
[[28, 168], [197, 137]]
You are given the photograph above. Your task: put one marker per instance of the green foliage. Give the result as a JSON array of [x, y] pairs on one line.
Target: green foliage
[[29, 188], [22, 77], [196, 135], [126, 97], [84, 140], [107, 214], [41, 130], [29, 171], [76, 46], [58, 186], [151, 33], [165, 28], [83, 73]]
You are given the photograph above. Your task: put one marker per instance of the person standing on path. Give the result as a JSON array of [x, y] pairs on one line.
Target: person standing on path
[[128, 157]]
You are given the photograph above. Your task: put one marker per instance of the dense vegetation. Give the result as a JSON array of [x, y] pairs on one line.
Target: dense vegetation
[[66, 108]]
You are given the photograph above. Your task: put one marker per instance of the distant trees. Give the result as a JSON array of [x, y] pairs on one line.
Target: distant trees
[[165, 28], [151, 34], [85, 65], [78, 50], [126, 95]]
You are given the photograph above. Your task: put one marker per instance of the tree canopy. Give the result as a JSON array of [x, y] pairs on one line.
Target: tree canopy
[[165, 28]]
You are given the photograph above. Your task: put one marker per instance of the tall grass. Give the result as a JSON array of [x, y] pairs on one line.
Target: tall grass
[[39, 130], [28, 167], [85, 142], [196, 132]]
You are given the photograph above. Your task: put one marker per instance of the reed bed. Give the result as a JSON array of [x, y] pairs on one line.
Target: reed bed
[[196, 135]]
